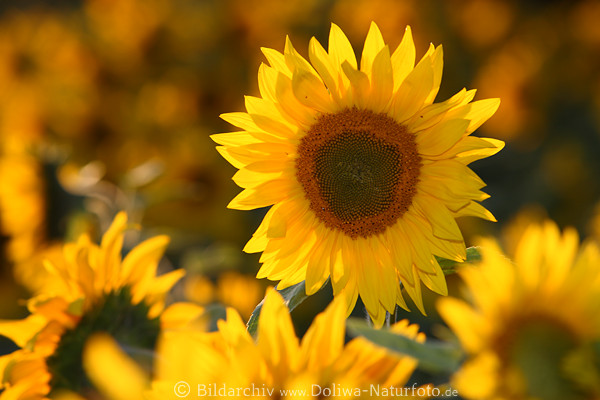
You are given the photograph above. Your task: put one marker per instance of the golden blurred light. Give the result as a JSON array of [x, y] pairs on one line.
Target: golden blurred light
[[508, 74], [513, 229], [584, 21], [124, 28], [232, 289], [482, 23], [392, 17], [22, 207]]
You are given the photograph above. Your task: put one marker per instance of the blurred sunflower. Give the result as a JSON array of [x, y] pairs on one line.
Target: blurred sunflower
[[278, 361], [233, 289], [95, 290], [531, 327], [365, 174]]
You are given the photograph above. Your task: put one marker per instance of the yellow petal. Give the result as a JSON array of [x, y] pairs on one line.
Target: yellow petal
[[142, 257], [441, 137], [156, 290], [23, 330], [322, 62], [436, 281], [339, 270], [438, 65], [465, 144], [267, 76], [477, 112], [448, 249], [474, 209], [256, 244], [435, 113], [276, 338], [415, 291], [360, 84], [277, 61], [464, 322], [317, 269], [311, 92], [251, 179], [295, 276], [180, 315], [295, 62], [276, 164], [388, 280], [381, 81], [272, 110], [469, 156], [368, 282], [413, 91], [350, 293], [263, 195], [241, 120], [228, 153], [324, 340], [278, 223], [401, 252], [403, 58], [477, 378], [303, 115], [373, 45], [273, 126], [234, 138], [443, 223], [340, 48], [233, 328], [113, 373]]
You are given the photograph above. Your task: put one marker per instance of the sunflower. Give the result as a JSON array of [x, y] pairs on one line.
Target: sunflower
[[96, 290], [230, 363], [530, 326], [364, 173]]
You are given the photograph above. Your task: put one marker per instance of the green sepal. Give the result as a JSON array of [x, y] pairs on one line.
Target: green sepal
[[449, 266]]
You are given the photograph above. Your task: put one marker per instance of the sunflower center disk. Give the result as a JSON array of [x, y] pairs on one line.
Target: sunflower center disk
[[359, 171]]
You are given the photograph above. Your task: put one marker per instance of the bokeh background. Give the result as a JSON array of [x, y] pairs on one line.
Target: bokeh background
[[107, 105]]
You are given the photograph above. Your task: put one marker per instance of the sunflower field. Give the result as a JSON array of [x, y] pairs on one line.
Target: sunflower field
[[301, 199]]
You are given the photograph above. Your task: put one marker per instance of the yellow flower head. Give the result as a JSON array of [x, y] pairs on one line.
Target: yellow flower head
[[530, 326], [88, 272], [95, 290], [364, 172], [231, 363]]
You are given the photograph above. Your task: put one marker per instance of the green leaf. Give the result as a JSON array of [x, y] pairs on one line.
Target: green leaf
[[433, 356], [449, 266], [293, 296]]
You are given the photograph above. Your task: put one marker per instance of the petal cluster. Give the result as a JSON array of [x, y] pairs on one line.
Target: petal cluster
[[277, 361]]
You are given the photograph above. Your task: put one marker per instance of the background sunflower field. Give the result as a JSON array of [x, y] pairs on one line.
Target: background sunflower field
[[107, 105]]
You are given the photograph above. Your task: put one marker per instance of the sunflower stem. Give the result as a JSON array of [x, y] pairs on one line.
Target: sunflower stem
[[368, 317]]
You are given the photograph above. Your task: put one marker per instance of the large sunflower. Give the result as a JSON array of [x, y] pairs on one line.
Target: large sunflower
[[364, 173], [95, 290], [531, 328]]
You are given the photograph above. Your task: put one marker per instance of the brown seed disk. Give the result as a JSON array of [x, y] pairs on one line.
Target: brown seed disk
[[359, 170]]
